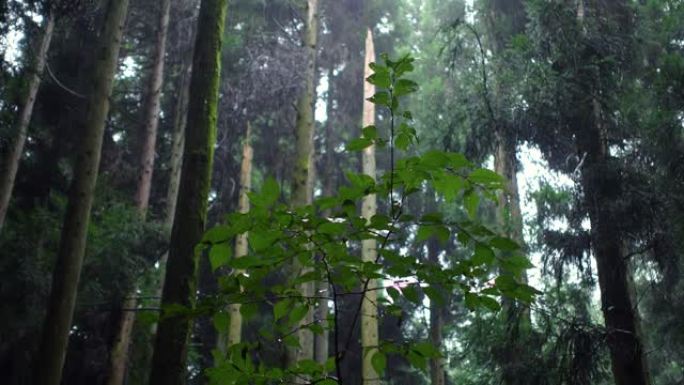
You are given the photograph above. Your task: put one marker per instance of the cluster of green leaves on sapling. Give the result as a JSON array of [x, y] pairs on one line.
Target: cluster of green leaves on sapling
[[323, 246]]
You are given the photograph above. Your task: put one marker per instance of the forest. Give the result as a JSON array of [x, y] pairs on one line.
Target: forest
[[342, 192]]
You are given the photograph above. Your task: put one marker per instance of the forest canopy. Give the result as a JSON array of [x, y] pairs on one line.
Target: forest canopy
[[369, 192]]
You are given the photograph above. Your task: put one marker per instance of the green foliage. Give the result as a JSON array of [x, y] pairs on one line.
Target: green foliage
[[323, 246]]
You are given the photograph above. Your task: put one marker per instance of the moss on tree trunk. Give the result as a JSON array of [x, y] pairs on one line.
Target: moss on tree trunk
[[171, 345]]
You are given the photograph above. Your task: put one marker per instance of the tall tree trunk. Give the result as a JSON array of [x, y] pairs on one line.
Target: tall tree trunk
[[234, 335], [177, 142], [505, 19], [600, 183], [171, 345], [151, 111], [322, 340], [369, 206], [437, 372], [73, 240], [303, 175], [627, 353], [119, 353], [11, 159]]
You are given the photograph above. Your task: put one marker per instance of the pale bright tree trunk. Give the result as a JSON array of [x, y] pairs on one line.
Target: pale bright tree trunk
[[73, 240], [234, 335], [119, 354], [369, 206], [171, 345], [11, 159], [303, 175]]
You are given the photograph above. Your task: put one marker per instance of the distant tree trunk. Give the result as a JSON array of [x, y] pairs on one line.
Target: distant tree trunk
[[601, 186], [73, 240], [151, 110], [11, 159], [369, 206], [303, 175], [119, 353], [505, 19], [322, 340], [235, 326], [437, 372], [171, 345], [177, 143]]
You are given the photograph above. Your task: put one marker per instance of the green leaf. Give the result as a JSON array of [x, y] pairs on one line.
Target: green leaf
[[281, 308], [380, 79], [379, 362], [416, 360], [403, 65], [332, 228], [472, 301], [382, 98], [483, 255], [358, 144], [434, 159], [219, 255], [404, 87], [472, 202], [370, 132], [486, 177], [402, 141], [218, 234], [490, 303], [221, 322], [248, 310], [504, 244], [393, 293], [425, 232], [298, 313], [411, 293], [426, 349]]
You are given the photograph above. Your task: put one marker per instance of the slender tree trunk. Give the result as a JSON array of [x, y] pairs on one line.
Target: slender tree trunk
[[171, 345], [73, 240], [437, 372], [234, 335], [11, 159], [177, 143], [322, 340], [151, 111], [119, 354], [303, 176], [369, 206]]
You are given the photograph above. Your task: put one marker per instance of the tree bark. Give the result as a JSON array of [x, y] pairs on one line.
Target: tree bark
[[234, 335], [151, 111], [66, 275], [328, 177], [601, 187], [119, 353], [303, 175], [627, 353], [437, 372], [171, 345], [369, 206], [11, 159]]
